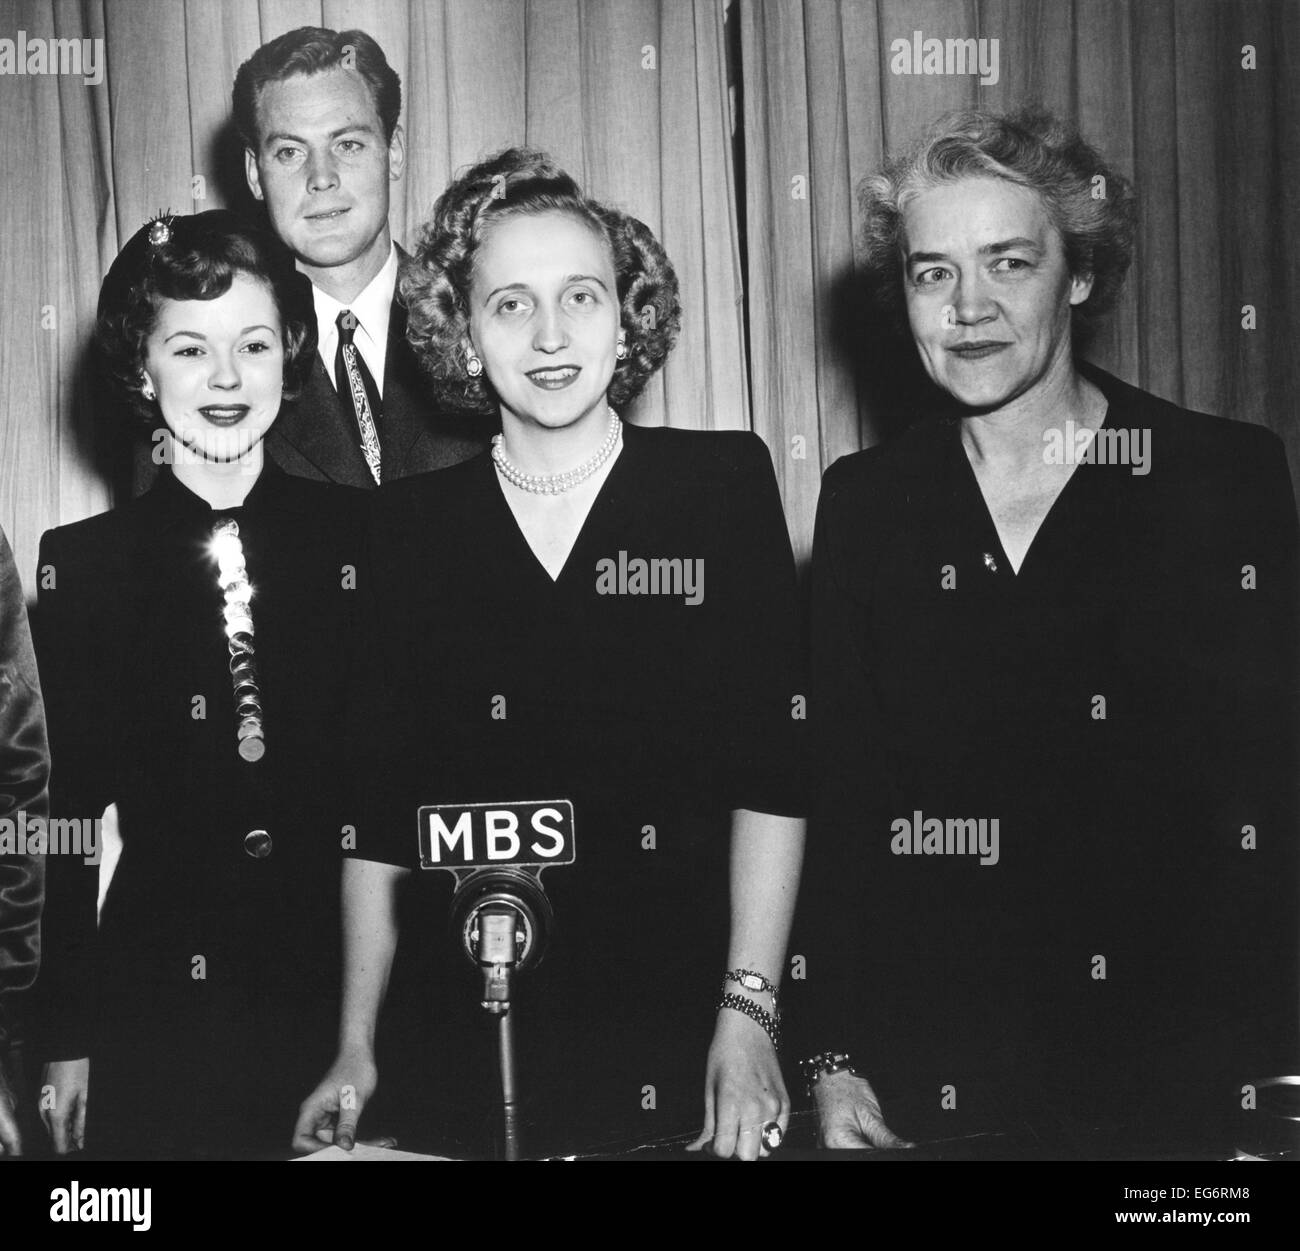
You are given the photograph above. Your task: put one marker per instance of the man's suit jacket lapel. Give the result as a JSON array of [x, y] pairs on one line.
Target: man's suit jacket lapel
[[406, 407], [316, 436]]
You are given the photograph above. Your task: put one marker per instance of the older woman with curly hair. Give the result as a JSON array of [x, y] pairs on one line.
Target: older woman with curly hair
[[1053, 684], [188, 648], [598, 612]]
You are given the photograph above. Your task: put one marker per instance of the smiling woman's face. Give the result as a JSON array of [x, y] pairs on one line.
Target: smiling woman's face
[[988, 289], [544, 318], [217, 369]]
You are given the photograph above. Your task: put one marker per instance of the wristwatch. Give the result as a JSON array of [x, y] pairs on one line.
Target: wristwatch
[[755, 982]]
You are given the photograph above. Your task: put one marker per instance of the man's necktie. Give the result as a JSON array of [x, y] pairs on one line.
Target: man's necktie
[[354, 381]]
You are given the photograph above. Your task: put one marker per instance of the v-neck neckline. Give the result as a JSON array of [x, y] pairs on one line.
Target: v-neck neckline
[[1050, 518], [599, 505]]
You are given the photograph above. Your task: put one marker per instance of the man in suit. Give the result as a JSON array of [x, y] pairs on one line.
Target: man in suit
[[317, 111]]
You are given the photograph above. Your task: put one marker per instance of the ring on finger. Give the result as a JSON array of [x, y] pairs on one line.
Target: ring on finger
[[773, 1135]]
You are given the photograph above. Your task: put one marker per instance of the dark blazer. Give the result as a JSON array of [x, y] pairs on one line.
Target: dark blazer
[[943, 684], [316, 435], [24, 773], [142, 714], [648, 711]]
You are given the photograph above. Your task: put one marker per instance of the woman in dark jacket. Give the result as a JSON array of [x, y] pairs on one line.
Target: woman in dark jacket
[[600, 613], [190, 651], [1053, 874]]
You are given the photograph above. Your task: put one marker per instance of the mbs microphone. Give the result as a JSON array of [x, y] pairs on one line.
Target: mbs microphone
[[500, 914]]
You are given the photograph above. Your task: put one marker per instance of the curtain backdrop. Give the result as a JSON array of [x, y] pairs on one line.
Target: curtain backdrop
[[629, 95], [1157, 86], [737, 129]]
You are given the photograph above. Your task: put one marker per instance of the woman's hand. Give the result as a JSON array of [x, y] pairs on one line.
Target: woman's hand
[[331, 1112], [66, 1120], [743, 1089], [848, 1113]]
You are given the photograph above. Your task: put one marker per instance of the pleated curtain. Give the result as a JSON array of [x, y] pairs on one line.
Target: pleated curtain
[[629, 95], [738, 130], [1197, 101]]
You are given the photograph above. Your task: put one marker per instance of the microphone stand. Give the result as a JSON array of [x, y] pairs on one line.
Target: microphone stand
[[502, 920], [497, 937]]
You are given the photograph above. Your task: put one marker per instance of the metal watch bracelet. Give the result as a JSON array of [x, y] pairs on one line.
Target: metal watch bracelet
[[769, 1023]]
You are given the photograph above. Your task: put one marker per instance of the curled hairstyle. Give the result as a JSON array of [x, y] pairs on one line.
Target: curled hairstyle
[[517, 182], [312, 50], [1091, 206], [194, 258]]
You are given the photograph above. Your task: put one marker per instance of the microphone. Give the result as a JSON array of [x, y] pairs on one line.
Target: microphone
[[502, 919], [501, 916]]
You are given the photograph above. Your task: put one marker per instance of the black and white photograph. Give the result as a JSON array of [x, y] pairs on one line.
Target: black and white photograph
[[649, 581]]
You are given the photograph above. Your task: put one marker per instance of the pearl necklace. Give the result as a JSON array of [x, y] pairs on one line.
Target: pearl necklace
[[557, 483]]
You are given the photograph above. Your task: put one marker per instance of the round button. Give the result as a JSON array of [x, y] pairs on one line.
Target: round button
[[258, 844]]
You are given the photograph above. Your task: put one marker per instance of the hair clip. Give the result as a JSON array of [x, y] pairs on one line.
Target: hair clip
[[160, 229]]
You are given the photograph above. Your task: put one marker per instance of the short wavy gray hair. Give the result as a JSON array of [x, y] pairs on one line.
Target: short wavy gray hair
[[1091, 205]]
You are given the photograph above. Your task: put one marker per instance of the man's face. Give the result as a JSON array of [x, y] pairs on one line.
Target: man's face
[[323, 168], [988, 290]]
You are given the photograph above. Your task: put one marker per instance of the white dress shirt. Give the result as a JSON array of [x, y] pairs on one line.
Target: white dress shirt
[[372, 309]]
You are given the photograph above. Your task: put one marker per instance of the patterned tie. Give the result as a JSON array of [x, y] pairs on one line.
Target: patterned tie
[[353, 379]]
